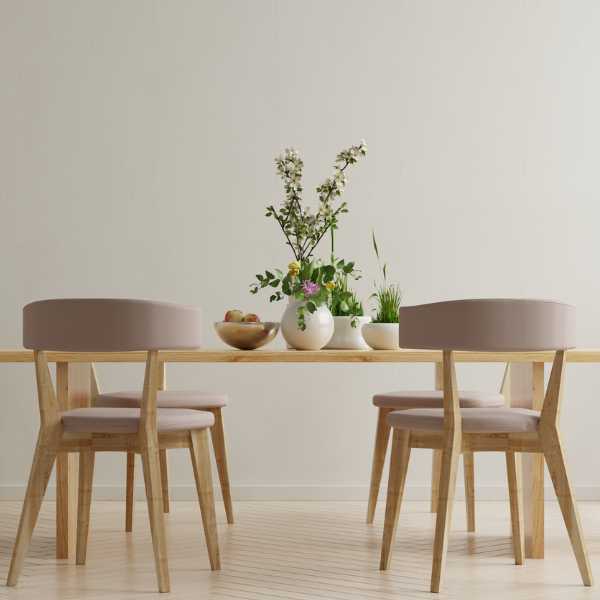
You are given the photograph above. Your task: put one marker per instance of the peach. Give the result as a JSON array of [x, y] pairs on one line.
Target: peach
[[251, 318], [235, 316]]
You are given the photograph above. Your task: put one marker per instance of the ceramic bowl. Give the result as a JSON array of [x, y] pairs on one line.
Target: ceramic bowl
[[246, 336], [382, 336]]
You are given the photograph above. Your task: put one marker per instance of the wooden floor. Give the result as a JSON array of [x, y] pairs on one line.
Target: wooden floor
[[300, 551]]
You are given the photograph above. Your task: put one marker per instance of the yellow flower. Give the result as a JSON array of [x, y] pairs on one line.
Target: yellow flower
[[330, 285], [294, 268]]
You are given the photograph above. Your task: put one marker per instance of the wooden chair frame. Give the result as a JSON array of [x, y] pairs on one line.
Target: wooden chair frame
[[382, 437], [217, 435], [147, 442], [451, 441]]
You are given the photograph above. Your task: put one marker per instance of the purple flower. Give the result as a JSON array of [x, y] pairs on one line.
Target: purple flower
[[310, 288]]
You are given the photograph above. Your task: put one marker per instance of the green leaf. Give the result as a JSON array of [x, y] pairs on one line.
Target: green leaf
[[311, 307], [375, 244], [328, 273]]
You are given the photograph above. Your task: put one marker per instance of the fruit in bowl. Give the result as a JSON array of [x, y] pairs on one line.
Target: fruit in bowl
[[234, 316], [245, 331]]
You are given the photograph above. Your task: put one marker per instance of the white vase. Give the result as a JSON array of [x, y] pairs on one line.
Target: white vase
[[382, 336], [346, 337], [319, 327]]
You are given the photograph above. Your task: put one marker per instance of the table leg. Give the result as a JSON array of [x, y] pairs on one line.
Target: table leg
[[527, 391], [73, 390]]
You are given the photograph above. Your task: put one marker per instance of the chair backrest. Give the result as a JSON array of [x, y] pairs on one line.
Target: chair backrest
[[495, 325], [106, 325], [109, 325]]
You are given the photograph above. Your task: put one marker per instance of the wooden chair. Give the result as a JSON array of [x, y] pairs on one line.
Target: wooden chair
[[96, 325], [484, 325], [192, 400], [404, 400]]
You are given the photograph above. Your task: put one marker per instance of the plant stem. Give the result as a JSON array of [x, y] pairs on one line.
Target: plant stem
[[289, 242], [325, 229], [332, 246]]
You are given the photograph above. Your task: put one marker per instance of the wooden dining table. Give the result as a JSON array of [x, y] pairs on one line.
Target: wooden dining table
[[525, 389]]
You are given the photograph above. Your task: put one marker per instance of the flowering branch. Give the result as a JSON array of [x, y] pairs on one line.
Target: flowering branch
[[303, 229], [308, 280]]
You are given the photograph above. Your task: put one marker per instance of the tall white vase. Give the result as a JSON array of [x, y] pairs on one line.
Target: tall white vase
[[319, 327]]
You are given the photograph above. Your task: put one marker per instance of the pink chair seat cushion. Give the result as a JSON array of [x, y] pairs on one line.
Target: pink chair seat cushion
[[165, 399], [433, 399], [474, 420], [127, 420]]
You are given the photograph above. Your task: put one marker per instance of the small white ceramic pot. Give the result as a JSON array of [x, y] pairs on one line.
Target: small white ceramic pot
[[319, 327], [382, 336], [346, 337]]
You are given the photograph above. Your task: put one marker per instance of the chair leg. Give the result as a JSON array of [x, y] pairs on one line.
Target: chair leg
[[469, 472], [41, 468], [444, 513], [436, 466], [164, 477], [129, 491], [86, 476], [555, 459], [399, 459], [513, 470], [200, 456], [382, 436], [217, 434], [151, 466]]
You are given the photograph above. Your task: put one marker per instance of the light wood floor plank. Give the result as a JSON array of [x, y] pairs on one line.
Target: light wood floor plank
[[300, 551]]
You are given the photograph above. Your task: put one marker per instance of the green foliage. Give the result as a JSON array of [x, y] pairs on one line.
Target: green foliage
[[307, 281], [387, 296], [344, 302], [388, 299]]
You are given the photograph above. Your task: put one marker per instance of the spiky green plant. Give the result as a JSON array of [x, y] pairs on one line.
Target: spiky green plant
[[387, 296]]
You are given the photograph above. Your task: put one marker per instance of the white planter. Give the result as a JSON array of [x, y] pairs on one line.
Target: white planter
[[346, 337], [382, 336], [319, 327]]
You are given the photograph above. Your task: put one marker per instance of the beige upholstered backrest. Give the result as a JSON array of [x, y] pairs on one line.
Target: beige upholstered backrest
[[109, 325], [495, 325]]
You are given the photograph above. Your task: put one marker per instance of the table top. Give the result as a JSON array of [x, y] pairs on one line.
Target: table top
[[578, 355]]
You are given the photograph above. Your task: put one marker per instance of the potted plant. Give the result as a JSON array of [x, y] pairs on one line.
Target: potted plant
[[383, 333], [346, 308], [307, 323]]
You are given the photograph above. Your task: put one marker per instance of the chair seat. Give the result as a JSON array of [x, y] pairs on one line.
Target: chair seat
[[127, 420], [165, 399], [433, 399], [474, 420]]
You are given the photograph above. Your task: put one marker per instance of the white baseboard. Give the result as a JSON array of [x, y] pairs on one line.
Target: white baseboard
[[300, 492]]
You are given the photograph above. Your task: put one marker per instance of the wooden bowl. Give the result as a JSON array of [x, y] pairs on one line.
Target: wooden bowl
[[246, 336]]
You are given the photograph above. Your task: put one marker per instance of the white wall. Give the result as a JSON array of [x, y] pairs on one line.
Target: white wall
[[136, 147]]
